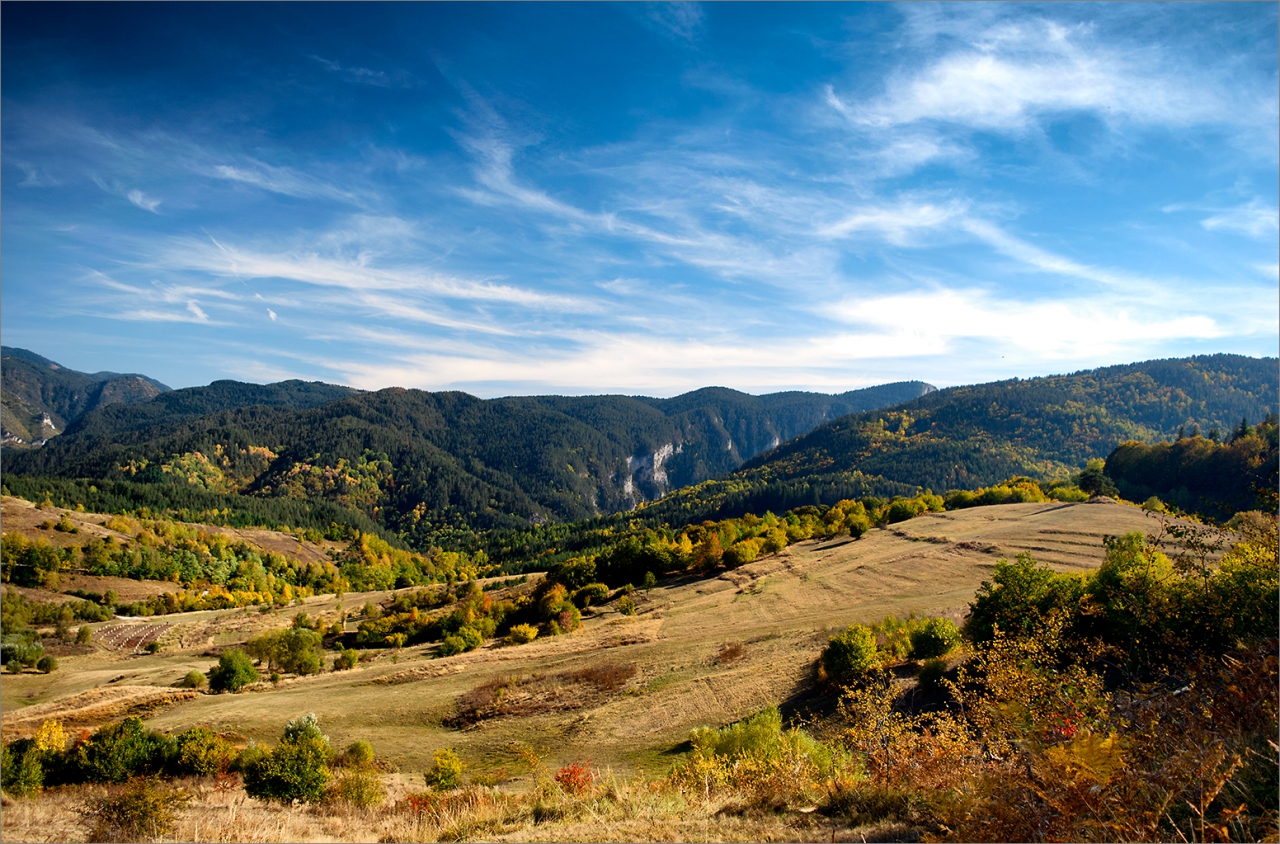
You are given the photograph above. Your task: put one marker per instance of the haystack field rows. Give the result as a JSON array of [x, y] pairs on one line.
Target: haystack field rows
[[622, 691], [130, 637]]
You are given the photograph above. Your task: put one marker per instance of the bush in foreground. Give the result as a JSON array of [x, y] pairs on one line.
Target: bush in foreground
[[144, 810], [446, 772], [202, 753], [296, 769], [521, 634], [934, 638], [848, 656], [117, 752]]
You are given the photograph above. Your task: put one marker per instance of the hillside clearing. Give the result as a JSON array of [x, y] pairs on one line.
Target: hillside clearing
[[778, 612]]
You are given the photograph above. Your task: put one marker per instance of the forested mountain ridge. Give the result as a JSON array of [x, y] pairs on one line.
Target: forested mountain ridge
[[965, 437], [429, 465], [40, 398]]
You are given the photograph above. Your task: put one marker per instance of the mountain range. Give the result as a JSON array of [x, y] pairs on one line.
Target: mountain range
[[424, 463], [430, 467]]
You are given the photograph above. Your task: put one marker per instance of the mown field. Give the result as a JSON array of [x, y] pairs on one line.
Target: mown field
[[622, 692]]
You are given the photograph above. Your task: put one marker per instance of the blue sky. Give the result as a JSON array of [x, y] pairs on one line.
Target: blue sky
[[586, 198]]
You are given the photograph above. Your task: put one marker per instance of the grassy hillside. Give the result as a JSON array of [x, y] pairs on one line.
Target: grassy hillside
[[708, 712], [780, 609]]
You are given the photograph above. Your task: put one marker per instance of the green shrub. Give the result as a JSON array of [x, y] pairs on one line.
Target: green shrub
[[627, 605], [233, 672], [359, 754], [292, 649], [574, 574], [591, 592], [47, 664], [1019, 598], [357, 787], [345, 660], [194, 679], [466, 639], [247, 758], [84, 635], [202, 753], [848, 656], [145, 810], [304, 728], [21, 771], [446, 770], [21, 649], [934, 637], [649, 581], [152, 647], [742, 553], [117, 752], [758, 736], [893, 637], [553, 601], [296, 769], [774, 541], [521, 634]]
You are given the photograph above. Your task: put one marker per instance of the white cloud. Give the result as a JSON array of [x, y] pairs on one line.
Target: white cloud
[[929, 321], [1008, 75], [271, 314], [197, 311], [367, 76], [906, 222], [143, 201], [682, 19], [1041, 259], [358, 273], [898, 224], [281, 180], [1254, 218]]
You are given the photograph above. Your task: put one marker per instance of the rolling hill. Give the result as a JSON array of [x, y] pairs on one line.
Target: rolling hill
[[41, 398]]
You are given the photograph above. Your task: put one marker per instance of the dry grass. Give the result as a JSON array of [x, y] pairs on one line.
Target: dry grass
[[730, 653], [538, 693], [93, 707], [781, 608], [611, 811]]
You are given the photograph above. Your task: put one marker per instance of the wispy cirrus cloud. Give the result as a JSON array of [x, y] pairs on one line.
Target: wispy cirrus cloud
[[281, 180], [683, 21], [1254, 218], [140, 199], [366, 76]]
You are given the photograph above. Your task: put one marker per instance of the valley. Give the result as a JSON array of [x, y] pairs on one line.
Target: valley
[[647, 598]]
